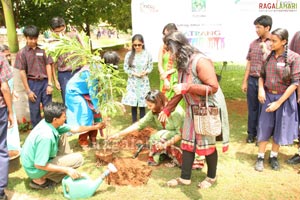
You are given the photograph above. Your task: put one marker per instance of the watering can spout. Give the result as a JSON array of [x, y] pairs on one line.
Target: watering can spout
[[84, 187], [110, 169]]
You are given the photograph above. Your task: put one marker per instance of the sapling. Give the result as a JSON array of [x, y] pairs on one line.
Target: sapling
[[109, 83]]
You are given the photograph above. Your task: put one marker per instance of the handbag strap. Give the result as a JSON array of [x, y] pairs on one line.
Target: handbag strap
[[206, 96]]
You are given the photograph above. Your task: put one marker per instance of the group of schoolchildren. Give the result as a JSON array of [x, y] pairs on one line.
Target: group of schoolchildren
[[271, 82]]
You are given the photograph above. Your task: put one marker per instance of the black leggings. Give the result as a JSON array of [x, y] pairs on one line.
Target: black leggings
[[134, 113], [188, 160]]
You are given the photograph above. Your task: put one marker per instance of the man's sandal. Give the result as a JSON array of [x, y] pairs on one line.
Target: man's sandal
[[47, 185], [178, 181], [207, 183]]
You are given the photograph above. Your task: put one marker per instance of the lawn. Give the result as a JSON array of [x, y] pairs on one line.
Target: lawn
[[237, 178]]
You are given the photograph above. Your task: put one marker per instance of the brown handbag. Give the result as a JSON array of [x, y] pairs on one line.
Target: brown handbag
[[207, 120]]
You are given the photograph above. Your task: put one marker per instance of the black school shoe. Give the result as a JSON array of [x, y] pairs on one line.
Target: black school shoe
[[259, 165], [3, 197], [274, 163], [250, 139], [294, 160]]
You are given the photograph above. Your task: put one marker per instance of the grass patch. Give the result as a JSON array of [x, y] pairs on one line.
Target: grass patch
[[237, 178]]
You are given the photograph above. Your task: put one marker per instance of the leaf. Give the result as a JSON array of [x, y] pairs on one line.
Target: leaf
[[102, 76]]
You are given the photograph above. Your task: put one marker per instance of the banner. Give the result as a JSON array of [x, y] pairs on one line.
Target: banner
[[223, 29]]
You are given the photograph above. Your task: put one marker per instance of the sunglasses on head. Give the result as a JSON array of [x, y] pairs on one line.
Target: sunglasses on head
[[152, 95], [137, 45], [60, 31]]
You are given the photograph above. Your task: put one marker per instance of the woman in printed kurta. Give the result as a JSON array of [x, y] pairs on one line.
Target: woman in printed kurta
[[137, 65], [195, 74], [278, 81], [167, 138]]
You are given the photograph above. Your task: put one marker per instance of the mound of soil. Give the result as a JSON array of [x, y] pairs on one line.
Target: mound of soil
[[130, 141], [130, 172]]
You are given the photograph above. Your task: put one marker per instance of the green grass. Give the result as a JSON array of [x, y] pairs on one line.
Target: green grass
[[236, 177]]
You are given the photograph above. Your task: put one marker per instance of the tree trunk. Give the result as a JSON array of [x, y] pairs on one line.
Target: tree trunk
[[21, 105], [10, 26]]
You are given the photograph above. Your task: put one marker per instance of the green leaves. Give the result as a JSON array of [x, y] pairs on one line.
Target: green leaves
[[79, 13], [109, 83]]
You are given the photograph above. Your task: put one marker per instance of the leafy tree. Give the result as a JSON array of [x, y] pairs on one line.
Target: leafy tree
[[79, 13]]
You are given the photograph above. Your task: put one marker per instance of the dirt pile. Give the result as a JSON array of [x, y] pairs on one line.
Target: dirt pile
[[130, 172], [130, 141]]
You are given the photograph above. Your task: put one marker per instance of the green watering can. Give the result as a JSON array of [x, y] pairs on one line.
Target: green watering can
[[84, 187]]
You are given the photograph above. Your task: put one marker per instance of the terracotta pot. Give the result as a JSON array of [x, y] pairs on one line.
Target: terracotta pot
[[106, 156], [14, 160]]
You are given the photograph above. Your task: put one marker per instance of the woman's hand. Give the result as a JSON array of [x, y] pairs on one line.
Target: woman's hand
[[113, 137], [144, 73], [167, 84], [163, 75], [160, 146], [273, 106], [261, 95], [162, 117], [177, 88]]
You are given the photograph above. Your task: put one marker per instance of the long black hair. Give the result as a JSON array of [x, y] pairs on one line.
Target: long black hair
[[140, 38], [282, 34], [180, 47]]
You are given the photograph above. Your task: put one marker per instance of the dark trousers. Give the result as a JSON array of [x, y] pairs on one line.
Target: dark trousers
[[63, 78], [134, 113], [39, 88], [253, 105], [4, 158], [188, 160]]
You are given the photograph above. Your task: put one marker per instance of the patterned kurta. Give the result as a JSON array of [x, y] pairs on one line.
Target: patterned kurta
[[137, 88], [192, 142]]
